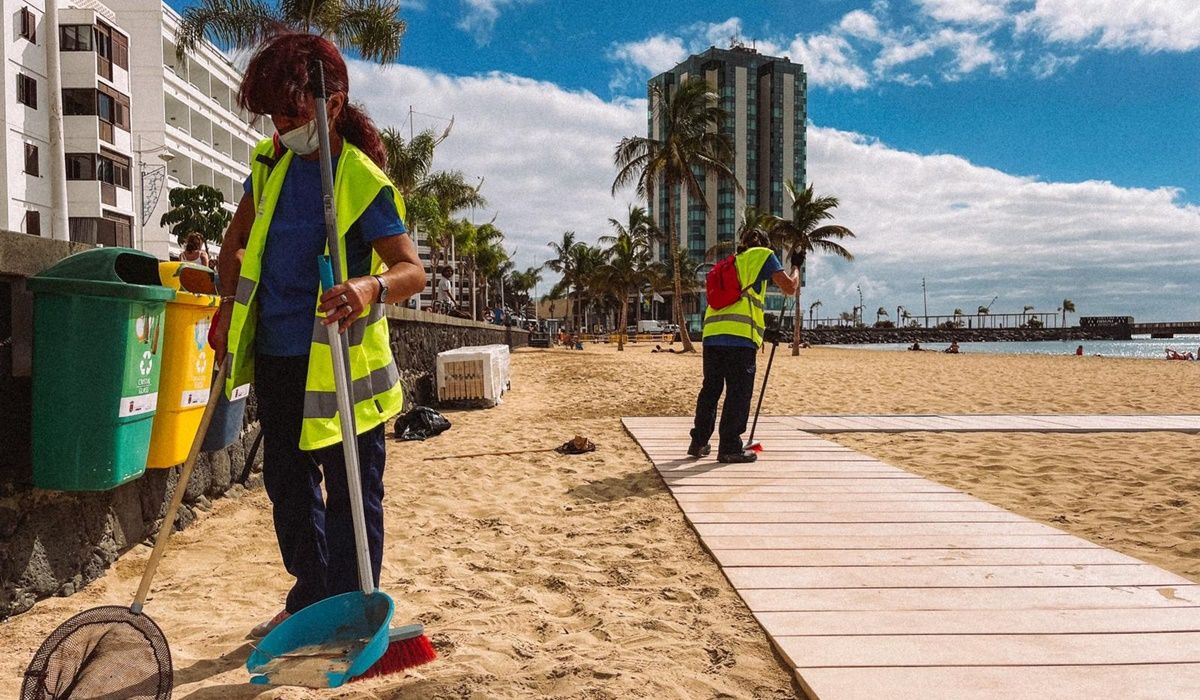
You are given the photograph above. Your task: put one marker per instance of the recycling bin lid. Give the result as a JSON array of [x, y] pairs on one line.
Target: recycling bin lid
[[193, 284], [108, 272]]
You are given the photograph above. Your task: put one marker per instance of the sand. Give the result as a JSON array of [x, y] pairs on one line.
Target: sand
[[543, 575]]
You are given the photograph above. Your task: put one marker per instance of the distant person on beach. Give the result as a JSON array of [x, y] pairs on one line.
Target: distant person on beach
[[273, 316], [916, 347], [732, 336], [953, 349], [1079, 351], [445, 291], [193, 250]]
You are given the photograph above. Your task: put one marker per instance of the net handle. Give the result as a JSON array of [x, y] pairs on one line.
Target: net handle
[[168, 524]]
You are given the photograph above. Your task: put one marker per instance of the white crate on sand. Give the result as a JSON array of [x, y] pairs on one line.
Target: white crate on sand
[[476, 374]]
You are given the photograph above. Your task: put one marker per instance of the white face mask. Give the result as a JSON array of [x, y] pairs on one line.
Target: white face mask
[[302, 140]]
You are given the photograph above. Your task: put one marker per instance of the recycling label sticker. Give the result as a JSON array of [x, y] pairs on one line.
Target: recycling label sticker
[[143, 341], [239, 392], [196, 397]]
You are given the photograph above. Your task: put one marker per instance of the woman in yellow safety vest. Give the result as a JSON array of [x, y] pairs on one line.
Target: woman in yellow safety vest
[[272, 317]]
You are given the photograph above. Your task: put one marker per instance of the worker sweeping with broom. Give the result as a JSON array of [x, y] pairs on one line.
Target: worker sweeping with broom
[[733, 333], [274, 314]]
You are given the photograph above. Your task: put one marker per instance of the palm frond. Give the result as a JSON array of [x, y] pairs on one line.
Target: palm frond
[[373, 27], [228, 23]]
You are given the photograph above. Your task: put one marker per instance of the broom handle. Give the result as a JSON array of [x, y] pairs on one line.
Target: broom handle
[[761, 392], [168, 524], [337, 343], [767, 374]]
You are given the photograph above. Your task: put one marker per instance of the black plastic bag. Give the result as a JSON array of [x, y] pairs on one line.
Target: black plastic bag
[[420, 423]]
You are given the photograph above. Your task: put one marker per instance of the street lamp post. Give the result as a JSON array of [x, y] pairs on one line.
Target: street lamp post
[[925, 298]]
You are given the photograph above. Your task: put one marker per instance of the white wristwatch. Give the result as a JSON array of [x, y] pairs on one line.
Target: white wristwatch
[[383, 288]]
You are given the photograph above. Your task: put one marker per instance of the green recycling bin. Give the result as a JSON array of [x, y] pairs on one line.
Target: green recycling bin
[[97, 347]]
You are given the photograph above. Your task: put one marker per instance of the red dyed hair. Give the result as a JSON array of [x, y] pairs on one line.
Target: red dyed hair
[[277, 81]]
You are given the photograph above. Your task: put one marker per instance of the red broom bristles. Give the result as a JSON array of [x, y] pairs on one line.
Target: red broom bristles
[[401, 655]]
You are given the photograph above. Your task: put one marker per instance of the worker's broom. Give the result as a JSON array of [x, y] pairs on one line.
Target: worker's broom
[[751, 445], [407, 646]]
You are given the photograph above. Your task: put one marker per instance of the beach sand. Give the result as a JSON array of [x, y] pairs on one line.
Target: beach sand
[[542, 575]]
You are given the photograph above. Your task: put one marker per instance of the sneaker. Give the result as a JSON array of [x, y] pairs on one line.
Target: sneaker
[[700, 450], [262, 629], [738, 457]]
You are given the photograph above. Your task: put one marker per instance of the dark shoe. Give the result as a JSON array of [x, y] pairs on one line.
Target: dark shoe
[[700, 450], [738, 457]]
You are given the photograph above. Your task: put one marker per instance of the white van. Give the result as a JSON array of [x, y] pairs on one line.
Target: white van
[[651, 326]]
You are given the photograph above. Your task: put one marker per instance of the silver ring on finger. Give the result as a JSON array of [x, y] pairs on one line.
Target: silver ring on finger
[[344, 299], [349, 309]]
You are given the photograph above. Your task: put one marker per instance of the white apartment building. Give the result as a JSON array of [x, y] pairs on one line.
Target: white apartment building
[[24, 175], [187, 127], [94, 78]]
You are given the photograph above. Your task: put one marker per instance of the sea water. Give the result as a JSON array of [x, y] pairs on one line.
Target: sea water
[[1139, 346]]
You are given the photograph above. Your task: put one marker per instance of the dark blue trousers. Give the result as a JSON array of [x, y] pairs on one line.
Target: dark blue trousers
[[315, 534], [730, 369]]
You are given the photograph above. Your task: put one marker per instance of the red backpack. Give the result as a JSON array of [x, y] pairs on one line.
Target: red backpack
[[722, 285]]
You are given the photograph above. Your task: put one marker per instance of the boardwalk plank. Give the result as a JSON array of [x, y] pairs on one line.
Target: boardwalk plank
[[993, 650], [942, 598], [979, 622], [919, 557], [1128, 682], [955, 576]]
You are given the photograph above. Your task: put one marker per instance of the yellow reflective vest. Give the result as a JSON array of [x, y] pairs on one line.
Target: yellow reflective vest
[[743, 318], [377, 394]]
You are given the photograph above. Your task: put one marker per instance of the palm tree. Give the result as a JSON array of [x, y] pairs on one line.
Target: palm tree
[[846, 317], [1067, 305], [980, 313], [958, 313], [690, 120], [522, 283], [372, 28], [880, 314], [1025, 314], [627, 259], [812, 309], [802, 235], [564, 264]]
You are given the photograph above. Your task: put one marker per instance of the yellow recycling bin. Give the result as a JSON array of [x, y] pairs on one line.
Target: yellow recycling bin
[[187, 362]]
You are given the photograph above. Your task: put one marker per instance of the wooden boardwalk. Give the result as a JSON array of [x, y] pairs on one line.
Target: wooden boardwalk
[[983, 423], [875, 583]]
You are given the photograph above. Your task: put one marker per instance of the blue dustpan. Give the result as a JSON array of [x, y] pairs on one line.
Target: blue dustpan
[[325, 644]]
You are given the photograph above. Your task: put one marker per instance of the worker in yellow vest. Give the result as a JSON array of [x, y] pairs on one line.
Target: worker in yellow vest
[[732, 336], [273, 315]]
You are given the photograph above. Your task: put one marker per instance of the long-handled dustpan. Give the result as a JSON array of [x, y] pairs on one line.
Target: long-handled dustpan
[[336, 639]]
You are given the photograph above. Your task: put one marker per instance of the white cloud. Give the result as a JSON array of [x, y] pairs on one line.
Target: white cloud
[[973, 232], [480, 18], [1049, 64], [545, 153], [829, 60], [859, 24], [654, 54], [965, 11], [1145, 25]]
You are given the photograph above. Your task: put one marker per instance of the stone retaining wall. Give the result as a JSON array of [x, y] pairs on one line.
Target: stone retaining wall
[[54, 543]]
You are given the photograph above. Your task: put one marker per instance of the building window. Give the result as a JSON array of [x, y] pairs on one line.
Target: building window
[[26, 90], [112, 230], [79, 101], [32, 166], [75, 37], [28, 23], [109, 168], [33, 223]]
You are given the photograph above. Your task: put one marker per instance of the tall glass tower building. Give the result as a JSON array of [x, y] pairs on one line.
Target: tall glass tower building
[[764, 98]]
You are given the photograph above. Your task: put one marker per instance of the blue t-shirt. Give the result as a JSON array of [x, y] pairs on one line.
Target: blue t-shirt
[[287, 290], [770, 267]]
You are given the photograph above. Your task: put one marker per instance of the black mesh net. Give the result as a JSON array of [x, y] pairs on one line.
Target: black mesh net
[[106, 653]]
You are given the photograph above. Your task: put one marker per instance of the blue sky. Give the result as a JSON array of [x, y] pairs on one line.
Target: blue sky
[[1032, 149]]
